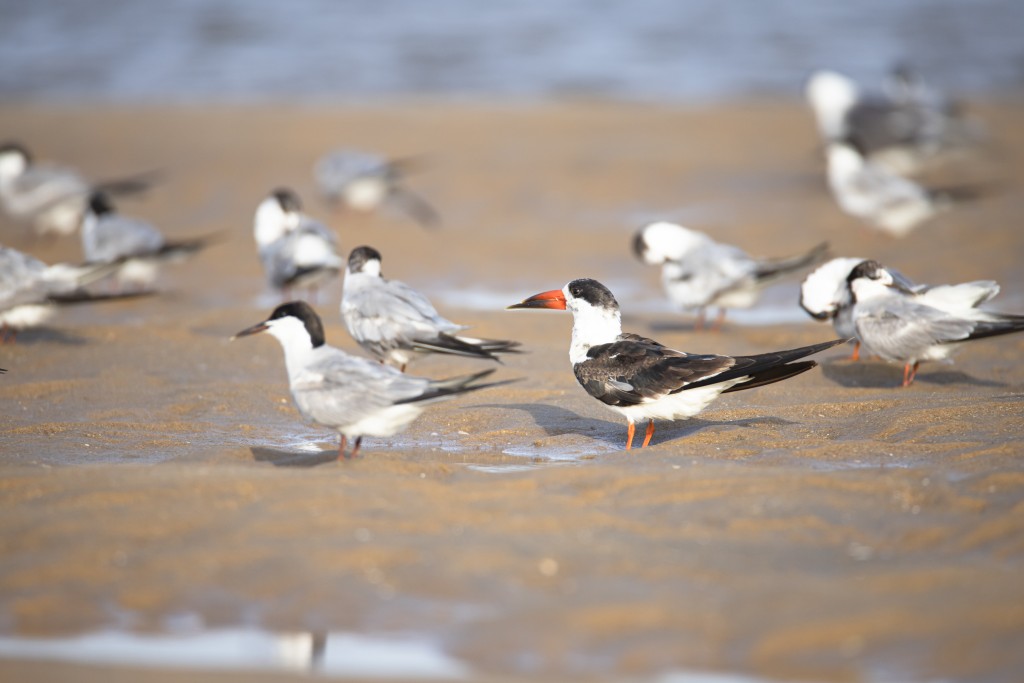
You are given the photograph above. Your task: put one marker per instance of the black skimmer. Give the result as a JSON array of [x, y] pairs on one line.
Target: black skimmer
[[642, 379]]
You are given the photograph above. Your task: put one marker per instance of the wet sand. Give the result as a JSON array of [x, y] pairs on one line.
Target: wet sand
[[833, 528]]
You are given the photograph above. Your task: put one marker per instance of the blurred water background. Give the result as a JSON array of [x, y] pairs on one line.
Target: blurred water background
[[339, 51]]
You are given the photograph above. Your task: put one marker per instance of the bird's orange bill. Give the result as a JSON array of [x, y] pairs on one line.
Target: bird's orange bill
[[551, 299], [255, 329]]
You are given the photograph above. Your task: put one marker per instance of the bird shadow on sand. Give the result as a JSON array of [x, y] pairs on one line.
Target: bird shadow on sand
[[558, 421], [671, 431], [282, 458], [48, 335], [875, 375]]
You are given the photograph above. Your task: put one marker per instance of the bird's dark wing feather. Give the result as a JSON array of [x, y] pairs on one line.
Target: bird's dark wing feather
[[635, 369]]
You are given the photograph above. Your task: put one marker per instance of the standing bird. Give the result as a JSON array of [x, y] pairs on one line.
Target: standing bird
[[698, 272], [892, 203], [50, 198], [911, 325], [30, 290], [297, 251], [354, 396], [139, 247], [825, 295], [642, 379], [366, 182], [394, 322]]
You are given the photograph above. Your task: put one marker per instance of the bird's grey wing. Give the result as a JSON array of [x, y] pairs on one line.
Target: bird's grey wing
[[337, 388], [899, 329], [21, 279], [887, 190], [396, 312], [119, 237], [42, 187]]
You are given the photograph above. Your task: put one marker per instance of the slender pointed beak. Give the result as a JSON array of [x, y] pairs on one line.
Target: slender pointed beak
[[552, 299], [255, 329]]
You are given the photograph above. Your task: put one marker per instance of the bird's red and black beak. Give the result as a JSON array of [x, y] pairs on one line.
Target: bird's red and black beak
[[552, 299], [255, 329]]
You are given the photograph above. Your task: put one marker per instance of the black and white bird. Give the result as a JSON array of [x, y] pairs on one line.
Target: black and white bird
[[912, 325], [366, 182], [51, 199], [354, 396], [697, 272], [395, 323], [139, 247], [31, 291], [902, 135], [296, 251], [642, 379]]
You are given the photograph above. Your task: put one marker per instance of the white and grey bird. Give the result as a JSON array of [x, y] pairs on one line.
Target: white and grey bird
[[51, 199], [366, 182], [643, 380], [31, 291], [884, 200], [825, 295], [297, 251], [354, 396], [902, 135], [395, 323], [138, 246], [697, 272], [912, 325]]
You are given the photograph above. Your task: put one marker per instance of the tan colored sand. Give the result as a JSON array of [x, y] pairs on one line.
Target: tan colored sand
[[830, 528]]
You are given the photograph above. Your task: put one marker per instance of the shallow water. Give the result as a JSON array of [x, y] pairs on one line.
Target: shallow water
[[326, 51]]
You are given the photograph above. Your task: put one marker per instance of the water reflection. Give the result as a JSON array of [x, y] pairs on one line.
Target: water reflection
[[334, 653]]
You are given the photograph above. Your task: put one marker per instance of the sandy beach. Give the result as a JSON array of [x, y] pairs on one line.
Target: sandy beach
[[834, 527]]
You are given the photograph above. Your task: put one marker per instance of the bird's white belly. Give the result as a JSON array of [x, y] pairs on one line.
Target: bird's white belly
[[24, 317], [365, 194], [686, 403], [383, 422]]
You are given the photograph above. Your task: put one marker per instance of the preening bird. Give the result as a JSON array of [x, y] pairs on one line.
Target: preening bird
[[697, 272]]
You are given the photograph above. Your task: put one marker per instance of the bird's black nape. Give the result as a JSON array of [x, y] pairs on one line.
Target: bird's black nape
[[869, 269], [305, 313], [359, 257], [593, 292], [288, 200], [100, 204]]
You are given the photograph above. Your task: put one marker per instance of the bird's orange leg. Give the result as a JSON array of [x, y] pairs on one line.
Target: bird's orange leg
[[355, 448], [629, 435], [909, 373], [341, 448], [856, 351], [649, 433], [719, 321], [698, 324]]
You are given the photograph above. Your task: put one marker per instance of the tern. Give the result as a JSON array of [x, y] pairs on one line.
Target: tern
[[297, 251], [30, 290], [902, 135], [825, 295], [354, 396], [51, 198], [642, 379], [698, 272], [882, 199], [911, 325], [139, 247], [365, 182], [395, 323]]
